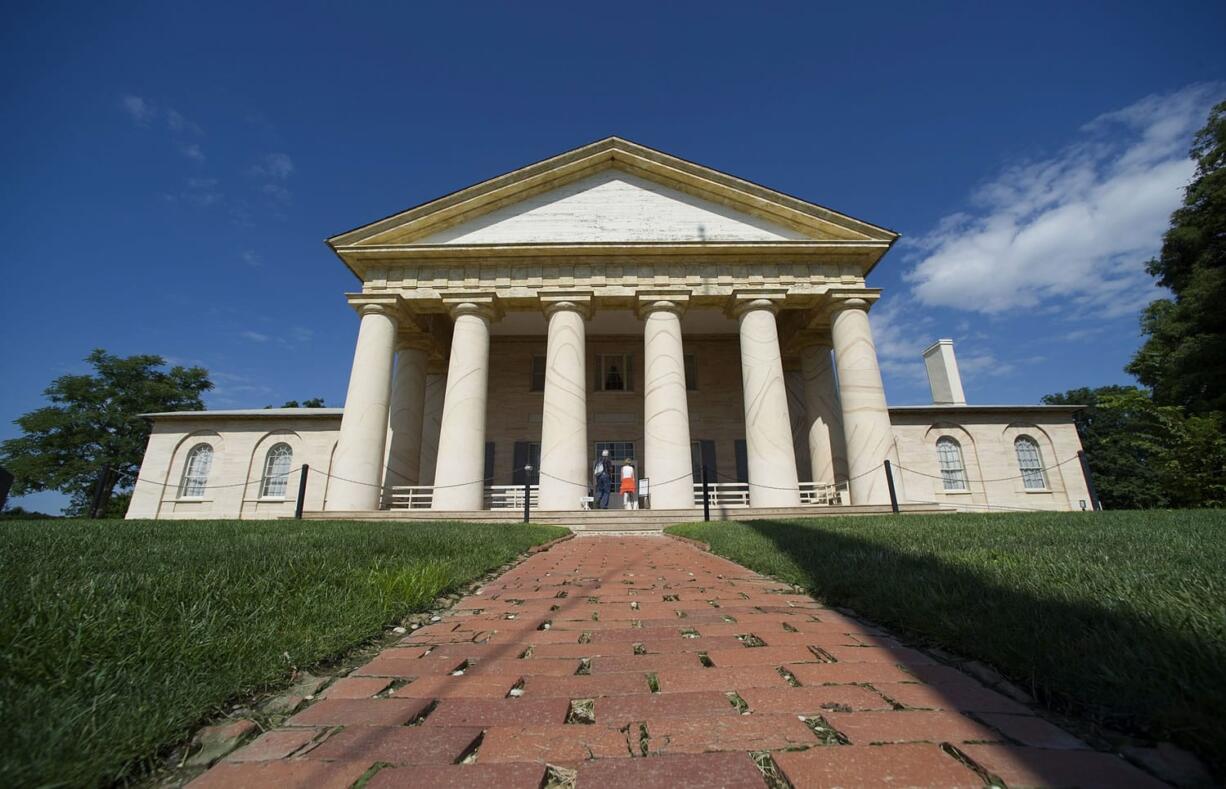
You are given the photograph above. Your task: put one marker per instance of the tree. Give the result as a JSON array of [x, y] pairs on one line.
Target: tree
[[94, 422], [314, 402], [1183, 359], [1144, 455]]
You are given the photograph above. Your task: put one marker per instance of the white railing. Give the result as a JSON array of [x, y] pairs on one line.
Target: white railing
[[723, 494], [511, 497], [736, 494], [508, 497], [821, 493], [410, 497], [497, 497]]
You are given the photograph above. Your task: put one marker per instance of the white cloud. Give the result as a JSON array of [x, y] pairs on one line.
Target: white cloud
[[277, 192], [901, 335], [177, 123], [252, 258], [1073, 231], [274, 165], [255, 336], [141, 111], [192, 151]]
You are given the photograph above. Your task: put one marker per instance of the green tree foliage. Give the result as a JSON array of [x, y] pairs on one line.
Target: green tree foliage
[[1183, 359], [93, 421], [1144, 455], [314, 402]]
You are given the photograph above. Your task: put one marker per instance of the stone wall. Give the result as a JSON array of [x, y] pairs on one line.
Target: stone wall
[[239, 448], [986, 439]]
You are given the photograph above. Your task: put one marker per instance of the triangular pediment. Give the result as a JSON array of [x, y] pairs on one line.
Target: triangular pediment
[[612, 206], [611, 192]]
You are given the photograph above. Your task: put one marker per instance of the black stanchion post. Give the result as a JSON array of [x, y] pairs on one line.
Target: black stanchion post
[[1085, 470], [527, 493], [302, 482], [706, 495], [889, 481]]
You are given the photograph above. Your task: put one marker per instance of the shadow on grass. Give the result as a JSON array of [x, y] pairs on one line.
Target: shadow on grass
[[1105, 663]]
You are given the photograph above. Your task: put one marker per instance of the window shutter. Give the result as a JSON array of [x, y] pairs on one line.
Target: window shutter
[[519, 459], [742, 461], [489, 462], [708, 460]]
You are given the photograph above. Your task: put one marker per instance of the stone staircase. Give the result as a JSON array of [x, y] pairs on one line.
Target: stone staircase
[[613, 521]]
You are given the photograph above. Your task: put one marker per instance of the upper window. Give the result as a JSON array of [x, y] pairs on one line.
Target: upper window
[[276, 471], [538, 373], [691, 372], [1030, 463], [953, 471], [196, 471], [618, 450], [613, 372]]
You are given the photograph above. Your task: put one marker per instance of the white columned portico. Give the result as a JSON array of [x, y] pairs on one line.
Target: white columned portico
[[459, 474], [825, 428], [866, 419], [358, 464], [564, 463], [768, 431], [666, 413], [404, 425]]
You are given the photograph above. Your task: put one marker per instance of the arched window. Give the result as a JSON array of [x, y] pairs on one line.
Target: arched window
[[196, 471], [953, 471], [1030, 463], [276, 471]]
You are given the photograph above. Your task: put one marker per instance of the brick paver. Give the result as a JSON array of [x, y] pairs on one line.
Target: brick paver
[[641, 662]]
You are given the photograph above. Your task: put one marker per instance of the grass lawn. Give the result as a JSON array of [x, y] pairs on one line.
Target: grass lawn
[[1118, 617], [118, 637]]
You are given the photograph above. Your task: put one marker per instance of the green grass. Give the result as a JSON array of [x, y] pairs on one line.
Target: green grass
[[117, 638], [1117, 617]]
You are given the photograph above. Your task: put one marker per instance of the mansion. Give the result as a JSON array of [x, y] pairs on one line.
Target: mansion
[[614, 297]]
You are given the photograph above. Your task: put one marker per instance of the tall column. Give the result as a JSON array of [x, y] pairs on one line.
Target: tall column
[[666, 412], [564, 467], [431, 425], [404, 426], [825, 428], [768, 431], [357, 464], [459, 472], [866, 420]]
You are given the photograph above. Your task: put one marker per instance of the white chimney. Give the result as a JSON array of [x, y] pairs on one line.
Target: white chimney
[[943, 377]]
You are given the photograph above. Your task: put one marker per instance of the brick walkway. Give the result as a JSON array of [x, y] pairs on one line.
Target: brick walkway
[[639, 661]]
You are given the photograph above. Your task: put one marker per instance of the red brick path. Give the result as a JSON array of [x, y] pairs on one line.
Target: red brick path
[[642, 662]]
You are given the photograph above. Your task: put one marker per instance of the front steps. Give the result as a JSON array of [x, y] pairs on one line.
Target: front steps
[[623, 521]]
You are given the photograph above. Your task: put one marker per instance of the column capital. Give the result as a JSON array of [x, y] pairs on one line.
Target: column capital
[[389, 304], [579, 301], [743, 300], [674, 300], [483, 304], [852, 299]]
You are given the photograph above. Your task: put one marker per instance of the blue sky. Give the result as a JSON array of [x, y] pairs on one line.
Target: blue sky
[[171, 169]]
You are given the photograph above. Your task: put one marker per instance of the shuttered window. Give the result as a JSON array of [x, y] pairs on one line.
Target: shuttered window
[[526, 453], [702, 453]]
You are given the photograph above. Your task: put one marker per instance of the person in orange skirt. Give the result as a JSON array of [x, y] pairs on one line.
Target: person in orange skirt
[[629, 488]]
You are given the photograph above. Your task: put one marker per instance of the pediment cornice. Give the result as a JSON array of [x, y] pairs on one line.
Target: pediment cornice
[[394, 236]]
